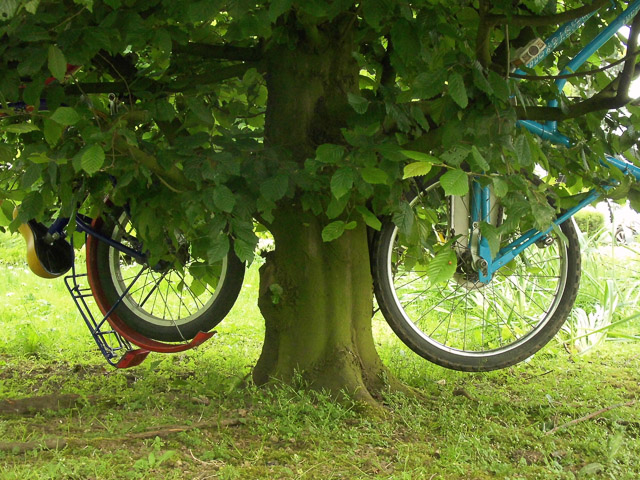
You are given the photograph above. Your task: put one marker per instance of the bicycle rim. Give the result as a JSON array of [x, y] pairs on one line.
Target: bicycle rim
[[162, 295], [461, 320]]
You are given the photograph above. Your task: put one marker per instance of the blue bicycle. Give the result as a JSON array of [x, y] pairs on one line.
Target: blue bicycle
[[496, 308]]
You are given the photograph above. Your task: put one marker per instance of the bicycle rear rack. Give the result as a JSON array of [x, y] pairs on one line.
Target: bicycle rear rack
[[116, 349], [116, 339]]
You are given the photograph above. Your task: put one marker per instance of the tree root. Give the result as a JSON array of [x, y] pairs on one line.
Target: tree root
[[21, 447], [60, 443], [32, 405]]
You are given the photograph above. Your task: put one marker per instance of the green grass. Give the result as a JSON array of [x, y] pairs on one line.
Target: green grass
[[462, 426], [609, 294]]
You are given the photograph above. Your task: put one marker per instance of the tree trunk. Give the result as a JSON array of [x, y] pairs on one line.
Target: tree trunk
[[316, 297]]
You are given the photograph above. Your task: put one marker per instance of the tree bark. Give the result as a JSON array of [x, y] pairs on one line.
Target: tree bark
[[316, 297]]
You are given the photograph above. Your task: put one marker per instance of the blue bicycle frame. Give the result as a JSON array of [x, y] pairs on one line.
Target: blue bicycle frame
[[481, 196]]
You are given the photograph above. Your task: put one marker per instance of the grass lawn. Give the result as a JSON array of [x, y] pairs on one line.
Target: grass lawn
[[65, 414]]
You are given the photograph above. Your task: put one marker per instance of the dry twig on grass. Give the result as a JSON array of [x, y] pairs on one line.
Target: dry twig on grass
[[590, 416]]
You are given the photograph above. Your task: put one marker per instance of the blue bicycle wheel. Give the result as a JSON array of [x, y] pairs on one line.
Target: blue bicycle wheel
[[453, 319]]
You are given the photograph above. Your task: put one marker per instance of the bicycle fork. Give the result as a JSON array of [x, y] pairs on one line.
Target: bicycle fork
[[467, 212], [479, 207]]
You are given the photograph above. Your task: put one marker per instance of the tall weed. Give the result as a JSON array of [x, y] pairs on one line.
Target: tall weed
[[606, 307]]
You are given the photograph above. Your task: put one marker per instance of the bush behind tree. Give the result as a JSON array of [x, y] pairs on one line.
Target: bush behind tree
[[589, 222]]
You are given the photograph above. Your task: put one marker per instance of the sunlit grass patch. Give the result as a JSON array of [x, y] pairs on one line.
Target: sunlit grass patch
[[459, 425]]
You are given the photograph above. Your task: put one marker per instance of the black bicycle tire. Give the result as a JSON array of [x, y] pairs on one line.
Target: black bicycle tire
[[456, 360], [102, 284]]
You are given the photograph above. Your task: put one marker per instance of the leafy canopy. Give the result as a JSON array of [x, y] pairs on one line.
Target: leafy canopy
[[161, 105]]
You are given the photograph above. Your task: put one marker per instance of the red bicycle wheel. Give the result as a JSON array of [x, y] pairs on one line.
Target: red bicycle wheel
[[171, 302]]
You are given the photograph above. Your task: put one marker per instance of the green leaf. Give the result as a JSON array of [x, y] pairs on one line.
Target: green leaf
[[405, 39], [455, 155], [358, 103], [420, 118], [479, 159], [41, 157], [333, 230], [342, 182], [315, 8], [52, 132], [200, 110], [86, 3], [374, 175], [6, 213], [490, 232], [245, 251], [31, 206], [218, 249], [65, 116], [457, 90], [224, 199], [265, 207], [20, 128], [162, 110], [351, 225], [455, 182], [92, 159], [403, 218], [429, 85], [419, 156], [374, 11], [197, 287], [336, 206], [499, 86], [57, 63], [202, 11], [500, 187], [330, 153], [442, 267], [523, 150], [278, 7], [416, 169], [480, 81], [369, 218], [30, 176], [8, 9], [275, 188], [7, 154], [33, 92]]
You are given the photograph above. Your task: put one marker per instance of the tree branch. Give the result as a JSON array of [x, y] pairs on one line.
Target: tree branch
[[221, 52], [217, 76], [179, 85], [483, 44], [628, 72], [388, 77], [612, 97], [118, 66], [543, 20], [173, 178], [591, 105]]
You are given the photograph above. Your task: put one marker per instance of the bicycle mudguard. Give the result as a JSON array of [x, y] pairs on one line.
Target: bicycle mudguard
[[109, 311], [45, 259]]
